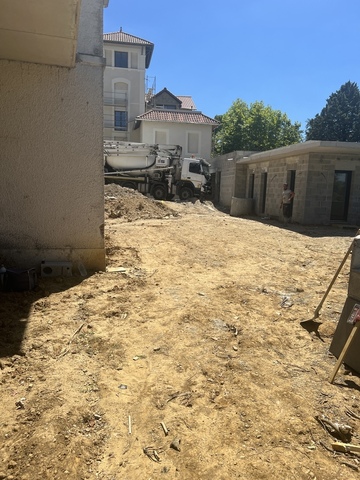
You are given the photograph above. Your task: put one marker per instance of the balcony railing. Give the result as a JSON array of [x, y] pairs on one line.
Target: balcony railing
[[115, 98]]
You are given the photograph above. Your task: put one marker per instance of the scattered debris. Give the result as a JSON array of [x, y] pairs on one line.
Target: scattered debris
[[185, 398], [20, 403], [286, 302], [352, 414], [153, 453], [233, 329], [116, 269], [175, 444], [336, 429], [166, 431], [64, 352]]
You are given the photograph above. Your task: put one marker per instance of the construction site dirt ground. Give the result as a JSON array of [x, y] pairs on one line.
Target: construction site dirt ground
[[187, 359]]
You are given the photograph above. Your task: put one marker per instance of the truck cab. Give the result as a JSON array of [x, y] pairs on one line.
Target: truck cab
[[195, 177]]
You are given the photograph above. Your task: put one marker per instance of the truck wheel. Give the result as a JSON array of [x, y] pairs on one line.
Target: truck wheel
[[185, 193], [159, 192]]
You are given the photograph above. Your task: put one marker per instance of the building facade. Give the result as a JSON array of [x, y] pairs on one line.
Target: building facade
[[51, 77], [134, 113], [174, 120], [127, 58]]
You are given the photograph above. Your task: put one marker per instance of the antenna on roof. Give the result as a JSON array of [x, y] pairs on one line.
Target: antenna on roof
[[120, 29]]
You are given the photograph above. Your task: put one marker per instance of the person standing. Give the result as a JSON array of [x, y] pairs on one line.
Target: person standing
[[286, 202]]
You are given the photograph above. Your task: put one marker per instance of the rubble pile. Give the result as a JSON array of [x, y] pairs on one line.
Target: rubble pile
[[129, 205]]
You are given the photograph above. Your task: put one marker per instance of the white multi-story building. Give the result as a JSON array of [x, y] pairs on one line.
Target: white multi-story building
[[136, 114], [127, 58]]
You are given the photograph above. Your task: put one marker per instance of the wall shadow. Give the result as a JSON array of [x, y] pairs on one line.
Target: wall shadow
[[314, 231], [15, 310]]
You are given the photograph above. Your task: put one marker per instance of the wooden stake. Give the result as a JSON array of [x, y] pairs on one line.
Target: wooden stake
[[345, 447], [130, 429], [166, 431]]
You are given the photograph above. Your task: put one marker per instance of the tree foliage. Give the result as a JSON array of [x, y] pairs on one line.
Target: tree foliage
[[256, 128], [339, 120]]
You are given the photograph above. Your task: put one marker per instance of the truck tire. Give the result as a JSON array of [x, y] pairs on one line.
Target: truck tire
[[159, 192], [185, 193]]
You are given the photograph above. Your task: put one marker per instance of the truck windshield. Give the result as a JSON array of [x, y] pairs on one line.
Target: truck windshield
[[206, 170]]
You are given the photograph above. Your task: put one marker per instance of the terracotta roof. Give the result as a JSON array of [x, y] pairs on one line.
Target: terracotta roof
[[187, 102], [123, 37], [177, 116], [127, 39]]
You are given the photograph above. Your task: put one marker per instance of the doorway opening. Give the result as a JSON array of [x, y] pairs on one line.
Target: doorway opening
[[341, 195]]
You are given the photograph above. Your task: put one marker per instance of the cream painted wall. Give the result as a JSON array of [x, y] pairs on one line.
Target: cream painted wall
[[135, 77], [177, 135], [51, 186]]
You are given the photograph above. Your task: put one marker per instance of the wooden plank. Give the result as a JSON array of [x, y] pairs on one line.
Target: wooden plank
[[345, 447]]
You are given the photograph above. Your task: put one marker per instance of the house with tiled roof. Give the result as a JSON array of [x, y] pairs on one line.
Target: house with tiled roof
[[127, 58], [174, 120], [135, 115]]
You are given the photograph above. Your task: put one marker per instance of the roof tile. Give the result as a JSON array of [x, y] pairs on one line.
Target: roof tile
[[187, 102], [177, 116], [123, 37]]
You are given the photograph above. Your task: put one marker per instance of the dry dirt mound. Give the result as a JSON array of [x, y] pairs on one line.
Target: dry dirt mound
[[127, 204]]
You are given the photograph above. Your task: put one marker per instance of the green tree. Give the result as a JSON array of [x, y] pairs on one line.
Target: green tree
[[256, 127], [339, 120]]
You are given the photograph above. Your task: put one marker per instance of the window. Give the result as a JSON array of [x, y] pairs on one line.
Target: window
[[120, 93], [160, 137], [195, 168], [120, 120], [193, 143], [166, 107], [121, 59]]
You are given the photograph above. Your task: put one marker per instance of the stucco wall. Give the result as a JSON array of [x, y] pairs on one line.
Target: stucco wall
[[52, 203], [177, 135], [135, 80]]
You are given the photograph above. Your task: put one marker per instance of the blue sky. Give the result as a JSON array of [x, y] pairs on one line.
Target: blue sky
[[290, 54]]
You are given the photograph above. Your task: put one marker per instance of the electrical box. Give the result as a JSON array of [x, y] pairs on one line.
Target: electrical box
[[56, 269]]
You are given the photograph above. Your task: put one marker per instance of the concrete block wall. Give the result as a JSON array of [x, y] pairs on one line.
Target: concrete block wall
[[233, 178], [277, 173], [52, 195]]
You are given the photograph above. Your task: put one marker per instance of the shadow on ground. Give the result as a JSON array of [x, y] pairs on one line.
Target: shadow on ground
[[313, 231], [15, 309]]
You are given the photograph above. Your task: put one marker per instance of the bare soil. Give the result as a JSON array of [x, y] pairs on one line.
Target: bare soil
[[186, 359]]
